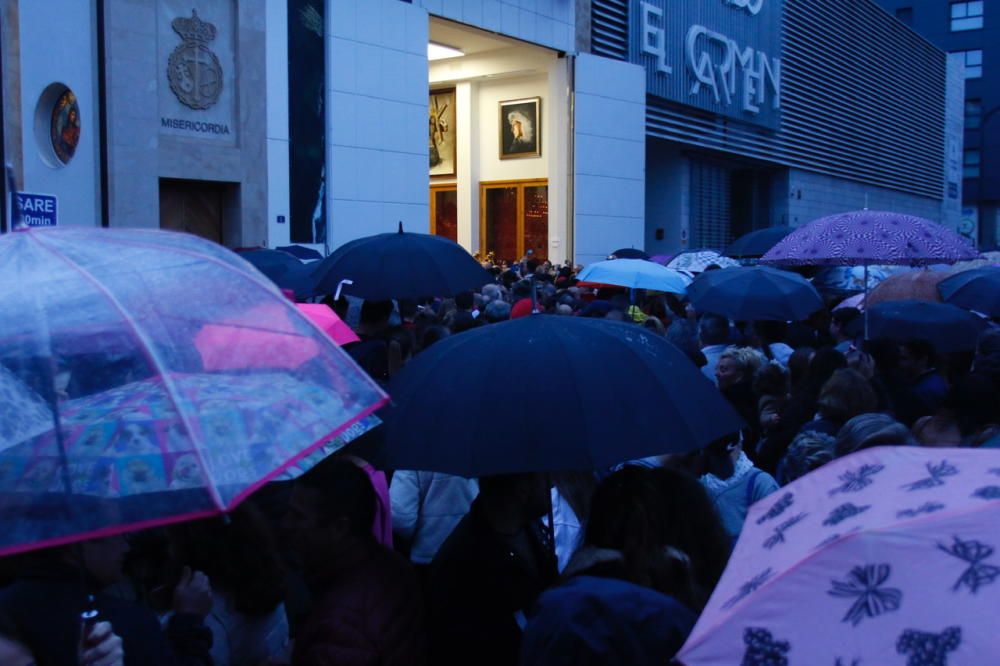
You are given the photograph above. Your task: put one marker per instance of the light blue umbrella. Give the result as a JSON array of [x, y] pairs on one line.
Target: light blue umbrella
[[635, 274]]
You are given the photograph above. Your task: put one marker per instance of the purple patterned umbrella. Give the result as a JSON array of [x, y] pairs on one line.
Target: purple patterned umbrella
[[870, 237]]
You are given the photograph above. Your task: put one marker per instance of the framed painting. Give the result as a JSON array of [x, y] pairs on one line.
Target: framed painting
[[441, 108], [521, 128]]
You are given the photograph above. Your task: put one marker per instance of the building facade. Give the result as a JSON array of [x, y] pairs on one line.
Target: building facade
[[970, 32], [565, 128]]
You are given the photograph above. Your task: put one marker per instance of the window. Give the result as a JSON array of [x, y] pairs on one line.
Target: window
[[966, 15], [905, 15], [973, 113], [970, 164], [973, 61]]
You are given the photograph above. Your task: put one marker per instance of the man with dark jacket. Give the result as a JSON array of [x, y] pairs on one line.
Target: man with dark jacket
[[366, 602], [50, 593], [489, 572]]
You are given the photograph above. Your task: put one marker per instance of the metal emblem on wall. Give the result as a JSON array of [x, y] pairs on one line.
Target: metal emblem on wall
[[193, 70]]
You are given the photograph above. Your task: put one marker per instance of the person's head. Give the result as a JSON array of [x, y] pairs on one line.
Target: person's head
[[771, 379], [238, 555], [104, 559], [798, 365], [375, 314], [869, 430], [433, 334], [824, 363], [524, 497], [738, 364], [464, 301], [840, 322], [808, 451], [770, 332], [496, 312], [492, 292], [916, 357], [846, 395], [713, 330], [331, 510], [987, 358]]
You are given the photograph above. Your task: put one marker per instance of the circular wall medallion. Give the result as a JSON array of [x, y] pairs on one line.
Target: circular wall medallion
[[64, 127]]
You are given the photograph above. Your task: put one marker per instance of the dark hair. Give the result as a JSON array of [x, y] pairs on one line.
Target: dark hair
[[770, 379], [770, 332], [918, 348], [798, 364], [713, 330], [375, 312], [464, 300], [404, 338], [433, 334], [346, 492], [845, 395], [238, 555], [844, 316], [822, 366]]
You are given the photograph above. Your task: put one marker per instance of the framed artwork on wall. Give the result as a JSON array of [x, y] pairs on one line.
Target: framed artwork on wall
[[441, 141], [521, 128]]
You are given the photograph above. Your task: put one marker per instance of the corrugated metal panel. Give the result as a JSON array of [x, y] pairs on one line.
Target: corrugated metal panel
[[710, 205], [862, 98], [609, 28]]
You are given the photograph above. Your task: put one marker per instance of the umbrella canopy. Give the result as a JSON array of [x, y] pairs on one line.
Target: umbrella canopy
[[661, 259], [978, 289], [696, 261], [283, 269], [400, 265], [754, 294], [300, 252], [602, 392], [23, 413], [947, 327], [855, 301], [145, 429], [870, 237], [847, 280], [886, 556], [628, 253], [635, 274], [918, 285], [327, 319], [756, 243]]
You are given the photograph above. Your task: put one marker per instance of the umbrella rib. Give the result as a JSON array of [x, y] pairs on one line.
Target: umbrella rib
[[147, 351]]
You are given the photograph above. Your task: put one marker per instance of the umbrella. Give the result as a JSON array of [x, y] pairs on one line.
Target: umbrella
[[868, 237], [696, 261], [756, 243], [634, 274], [145, 434], [628, 253], [755, 293], [978, 289], [887, 556], [947, 327], [23, 413], [327, 319], [602, 392], [661, 259], [283, 269], [400, 265], [266, 336], [918, 285], [849, 280], [300, 252], [855, 301]]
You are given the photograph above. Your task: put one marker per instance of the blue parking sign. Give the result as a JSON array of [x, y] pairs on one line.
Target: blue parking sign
[[34, 210]]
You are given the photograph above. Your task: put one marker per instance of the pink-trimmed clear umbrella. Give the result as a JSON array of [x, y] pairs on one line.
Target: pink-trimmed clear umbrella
[[887, 556], [146, 426]]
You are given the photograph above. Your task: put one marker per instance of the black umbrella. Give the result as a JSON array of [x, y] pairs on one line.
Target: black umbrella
[[756, 243], [757, 293], [283, 269], [977, 289], [947, 327], [546, 393], [301, 252], [400, 265], [628, 253]]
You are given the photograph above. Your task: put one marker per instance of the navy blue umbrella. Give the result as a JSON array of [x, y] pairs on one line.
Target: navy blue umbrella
[[546, 393], [977, 289], [400, 265], [629, 253], [756, 243], [283, 269], [300, 252], [947, 327], [759, 293]]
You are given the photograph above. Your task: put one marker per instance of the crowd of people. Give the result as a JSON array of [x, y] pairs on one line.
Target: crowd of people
[[351, 565]]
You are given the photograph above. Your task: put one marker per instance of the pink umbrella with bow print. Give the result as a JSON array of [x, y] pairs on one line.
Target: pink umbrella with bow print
[[887, 556]]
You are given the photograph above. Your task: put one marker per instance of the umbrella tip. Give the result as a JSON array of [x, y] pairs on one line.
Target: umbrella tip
[[400, 226]]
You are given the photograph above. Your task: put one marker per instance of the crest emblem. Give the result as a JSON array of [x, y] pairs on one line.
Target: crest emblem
[[193, 70]]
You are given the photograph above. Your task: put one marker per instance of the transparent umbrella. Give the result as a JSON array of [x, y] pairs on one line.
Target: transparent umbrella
[[148, 423]]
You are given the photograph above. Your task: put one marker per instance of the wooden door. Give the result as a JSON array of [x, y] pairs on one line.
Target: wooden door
[[514, 218]]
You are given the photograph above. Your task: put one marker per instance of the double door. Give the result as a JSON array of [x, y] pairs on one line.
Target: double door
[[514, 218]]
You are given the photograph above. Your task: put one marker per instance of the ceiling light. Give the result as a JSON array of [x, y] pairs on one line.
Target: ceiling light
[[440, 51]]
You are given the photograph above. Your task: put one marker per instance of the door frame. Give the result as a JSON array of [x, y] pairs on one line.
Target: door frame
[[520, 186], [443, 187]]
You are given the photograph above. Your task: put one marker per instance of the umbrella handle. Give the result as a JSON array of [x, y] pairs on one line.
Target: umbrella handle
[[340, 286]]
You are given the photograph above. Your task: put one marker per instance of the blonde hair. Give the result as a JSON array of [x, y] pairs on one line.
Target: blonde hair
[[747, 359]]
